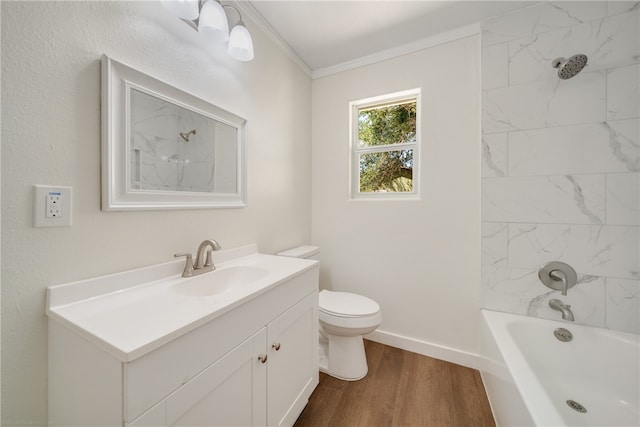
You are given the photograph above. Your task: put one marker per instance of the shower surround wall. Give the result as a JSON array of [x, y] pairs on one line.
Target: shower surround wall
[[174, 164], [561, 161]]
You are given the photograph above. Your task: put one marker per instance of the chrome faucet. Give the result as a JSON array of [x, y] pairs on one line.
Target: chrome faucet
[[205, 249], [202, 249], [565, 309]]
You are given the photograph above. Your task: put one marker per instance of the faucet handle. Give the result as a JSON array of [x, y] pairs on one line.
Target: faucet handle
[[209, 260], [188, 268]]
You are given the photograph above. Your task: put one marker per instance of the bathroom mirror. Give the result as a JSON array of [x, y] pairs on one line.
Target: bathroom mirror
[[163, 148]]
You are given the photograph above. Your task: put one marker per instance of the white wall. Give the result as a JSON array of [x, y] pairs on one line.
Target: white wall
[[418, 259], [51, 135], [561, 161]]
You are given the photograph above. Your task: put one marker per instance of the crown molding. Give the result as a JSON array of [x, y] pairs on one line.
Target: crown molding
[[405, 49], [249, 10]]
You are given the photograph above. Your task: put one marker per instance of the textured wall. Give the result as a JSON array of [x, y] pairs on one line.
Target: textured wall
[[561, 161], [51, 135], [419, 259]]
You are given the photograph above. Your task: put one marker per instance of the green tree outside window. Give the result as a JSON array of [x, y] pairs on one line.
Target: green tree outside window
[[383, 165]]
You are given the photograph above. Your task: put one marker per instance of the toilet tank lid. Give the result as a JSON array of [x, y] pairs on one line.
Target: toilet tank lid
[[300, 252], [346, 304]]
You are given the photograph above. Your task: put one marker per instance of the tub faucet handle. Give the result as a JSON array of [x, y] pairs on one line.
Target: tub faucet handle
[[558, 275]]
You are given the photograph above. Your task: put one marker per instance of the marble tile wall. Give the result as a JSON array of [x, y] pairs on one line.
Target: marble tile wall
[[561, 160], [160, 159]]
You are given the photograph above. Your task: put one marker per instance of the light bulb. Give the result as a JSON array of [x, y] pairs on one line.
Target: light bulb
[[240, 43], [213, 22]]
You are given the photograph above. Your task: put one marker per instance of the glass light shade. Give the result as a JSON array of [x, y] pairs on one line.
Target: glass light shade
[[213, 22], [185, 9], [240, 43]]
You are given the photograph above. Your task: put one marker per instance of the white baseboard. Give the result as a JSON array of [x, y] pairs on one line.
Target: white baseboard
[[436, 351]]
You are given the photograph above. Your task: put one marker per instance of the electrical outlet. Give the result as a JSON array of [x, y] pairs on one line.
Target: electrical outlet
[[51, 206], [54, 205]]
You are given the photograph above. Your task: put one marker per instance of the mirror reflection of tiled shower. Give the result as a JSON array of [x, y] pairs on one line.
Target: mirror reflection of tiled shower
[[175, 149]]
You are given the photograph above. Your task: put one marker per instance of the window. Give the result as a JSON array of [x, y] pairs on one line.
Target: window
[[384, 146]]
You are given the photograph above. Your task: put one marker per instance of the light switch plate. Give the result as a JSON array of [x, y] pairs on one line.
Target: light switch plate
[[51, 206]]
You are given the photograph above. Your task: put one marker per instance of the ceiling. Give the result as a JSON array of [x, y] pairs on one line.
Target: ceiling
[[327, 33]]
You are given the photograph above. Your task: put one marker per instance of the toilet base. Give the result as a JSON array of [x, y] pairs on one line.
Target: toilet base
[[343, 357]]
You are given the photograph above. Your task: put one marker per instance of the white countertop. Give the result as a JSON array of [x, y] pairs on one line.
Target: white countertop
[[132, 313]]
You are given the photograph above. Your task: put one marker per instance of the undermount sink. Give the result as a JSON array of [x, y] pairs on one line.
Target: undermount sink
[[220, 281]]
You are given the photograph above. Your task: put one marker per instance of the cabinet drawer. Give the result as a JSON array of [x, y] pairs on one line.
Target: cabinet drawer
[[154, 376]]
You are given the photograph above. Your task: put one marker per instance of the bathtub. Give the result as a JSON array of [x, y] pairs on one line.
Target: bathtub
[[529, 374]]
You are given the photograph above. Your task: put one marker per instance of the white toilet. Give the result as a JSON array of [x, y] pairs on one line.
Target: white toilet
[[344, 319]]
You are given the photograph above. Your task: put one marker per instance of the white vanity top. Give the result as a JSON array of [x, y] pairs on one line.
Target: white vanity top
[[132, 313]]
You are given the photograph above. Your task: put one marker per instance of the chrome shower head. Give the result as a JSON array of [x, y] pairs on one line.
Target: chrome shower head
[[186, 135], [568, 68]]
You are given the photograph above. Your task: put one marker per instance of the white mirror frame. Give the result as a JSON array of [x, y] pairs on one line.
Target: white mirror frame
[[117, 195]]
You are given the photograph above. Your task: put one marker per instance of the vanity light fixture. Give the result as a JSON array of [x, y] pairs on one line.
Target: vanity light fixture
[[209, 18]]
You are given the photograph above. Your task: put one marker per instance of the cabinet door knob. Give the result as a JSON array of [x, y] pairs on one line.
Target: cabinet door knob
[[275, 346], [262, 358]]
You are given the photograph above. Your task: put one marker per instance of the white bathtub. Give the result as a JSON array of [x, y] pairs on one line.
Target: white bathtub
[[529, 374]]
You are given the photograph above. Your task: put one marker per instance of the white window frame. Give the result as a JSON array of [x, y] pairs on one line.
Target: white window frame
[[355, 151]]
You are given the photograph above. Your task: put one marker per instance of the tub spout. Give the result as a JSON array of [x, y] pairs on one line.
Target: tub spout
[[565, 309]]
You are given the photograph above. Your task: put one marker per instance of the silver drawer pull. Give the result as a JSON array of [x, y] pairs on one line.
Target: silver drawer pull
[[275, 346], [262, 358]]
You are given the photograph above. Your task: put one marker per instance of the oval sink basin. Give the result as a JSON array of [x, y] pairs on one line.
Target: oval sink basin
[[220, 281]]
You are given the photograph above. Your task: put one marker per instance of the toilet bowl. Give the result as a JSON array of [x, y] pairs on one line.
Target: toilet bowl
[[344, 319]]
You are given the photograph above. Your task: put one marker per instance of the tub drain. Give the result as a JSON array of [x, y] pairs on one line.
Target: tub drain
[[563, 334], [576, 406]]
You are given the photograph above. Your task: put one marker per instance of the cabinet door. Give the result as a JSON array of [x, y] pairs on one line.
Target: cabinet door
[[230, 392], [292, 369]]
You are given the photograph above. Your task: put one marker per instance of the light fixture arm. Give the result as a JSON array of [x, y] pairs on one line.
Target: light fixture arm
[[237, 11], [193, 24]]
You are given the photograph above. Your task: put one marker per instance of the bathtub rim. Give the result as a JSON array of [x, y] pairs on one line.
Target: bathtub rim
[[538, 403], [525, 381]]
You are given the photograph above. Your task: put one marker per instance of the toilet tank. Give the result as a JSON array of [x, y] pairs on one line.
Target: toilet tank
[[308, 252]]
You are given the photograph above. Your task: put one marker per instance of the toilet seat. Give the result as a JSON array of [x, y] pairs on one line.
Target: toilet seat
[[346, 305]]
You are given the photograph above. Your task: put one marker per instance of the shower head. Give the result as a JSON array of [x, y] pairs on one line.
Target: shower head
[[568, 68], [186, 135]]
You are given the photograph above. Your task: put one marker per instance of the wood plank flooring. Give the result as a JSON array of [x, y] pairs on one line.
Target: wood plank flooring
[[401, 389]]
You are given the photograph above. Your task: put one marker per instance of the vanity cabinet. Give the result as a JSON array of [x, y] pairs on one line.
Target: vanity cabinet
[[260, 382], [256, 364]]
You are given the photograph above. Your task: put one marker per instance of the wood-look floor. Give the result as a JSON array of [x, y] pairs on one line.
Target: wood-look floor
[[401, 389]]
